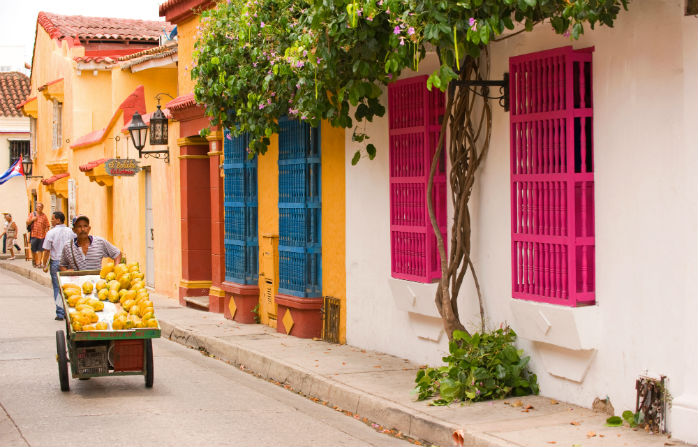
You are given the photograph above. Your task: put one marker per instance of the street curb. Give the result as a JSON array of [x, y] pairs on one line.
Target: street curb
[[32, 274], [378, 410]]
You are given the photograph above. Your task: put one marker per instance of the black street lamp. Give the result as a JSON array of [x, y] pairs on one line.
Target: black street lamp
[[158, 128], [27, 167], [139, 131]]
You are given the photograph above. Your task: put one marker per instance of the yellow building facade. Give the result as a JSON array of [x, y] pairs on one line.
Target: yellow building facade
[[258, 301], [84, 93]]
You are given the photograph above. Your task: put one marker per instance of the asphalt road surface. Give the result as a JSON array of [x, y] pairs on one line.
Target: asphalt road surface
[[196, 400]]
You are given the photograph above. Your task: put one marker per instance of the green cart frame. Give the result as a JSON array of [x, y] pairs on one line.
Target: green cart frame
[[67, 348]]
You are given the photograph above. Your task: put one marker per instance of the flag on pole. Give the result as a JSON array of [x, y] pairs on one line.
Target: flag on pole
[[15, 170]]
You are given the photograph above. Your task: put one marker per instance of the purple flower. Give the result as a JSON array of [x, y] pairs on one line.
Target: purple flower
[[261, 106], [261, 24], [566, 33], [300, 64], [254, 64], [472, 23], [305, 53], [402, 41], [228, 137], [396, 30], [410, 30], [477, 392]]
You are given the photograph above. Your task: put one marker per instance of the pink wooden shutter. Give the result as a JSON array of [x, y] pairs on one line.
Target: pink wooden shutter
[[414, 117], [552, 177]]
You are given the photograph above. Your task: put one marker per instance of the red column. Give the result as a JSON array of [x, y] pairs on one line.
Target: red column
[[196, 218], [216, 295]]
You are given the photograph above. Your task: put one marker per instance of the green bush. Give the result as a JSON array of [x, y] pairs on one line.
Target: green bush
[[479, 367]]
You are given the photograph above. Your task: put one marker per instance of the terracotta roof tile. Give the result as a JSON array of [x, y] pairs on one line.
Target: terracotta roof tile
[[170, 49], [102, 28], [169, 46], [95, 59], [52, 179], [181, 102], [178, 9], [91, 165], [14, 90]]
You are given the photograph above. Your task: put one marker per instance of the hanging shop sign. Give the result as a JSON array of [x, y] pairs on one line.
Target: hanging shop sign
[[121, 166]]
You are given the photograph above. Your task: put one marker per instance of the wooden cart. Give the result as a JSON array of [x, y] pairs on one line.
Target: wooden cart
[[102, 352]]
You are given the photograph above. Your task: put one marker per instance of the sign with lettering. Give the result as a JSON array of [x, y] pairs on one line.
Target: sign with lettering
[[121, 166]]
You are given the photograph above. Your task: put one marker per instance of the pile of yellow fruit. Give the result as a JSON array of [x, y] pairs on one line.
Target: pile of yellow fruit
[[84, 317], [122, 283]]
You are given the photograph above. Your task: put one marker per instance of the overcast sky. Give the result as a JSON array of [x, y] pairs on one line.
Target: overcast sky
[[18, 20]]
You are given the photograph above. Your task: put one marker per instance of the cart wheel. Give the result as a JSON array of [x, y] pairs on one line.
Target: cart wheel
[[62, 361], [149, 373]]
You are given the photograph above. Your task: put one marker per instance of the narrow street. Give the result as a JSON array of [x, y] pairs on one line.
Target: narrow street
[[196, 400]]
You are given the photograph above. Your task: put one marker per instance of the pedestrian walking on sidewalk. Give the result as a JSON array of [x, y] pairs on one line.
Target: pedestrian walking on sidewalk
[[86, 252], [56, 238], [38, 226], [10, 234]]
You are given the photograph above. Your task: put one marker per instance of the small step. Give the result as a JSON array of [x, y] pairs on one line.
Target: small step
[[197, 302]]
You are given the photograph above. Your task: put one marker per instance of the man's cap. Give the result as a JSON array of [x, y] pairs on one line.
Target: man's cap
[[81, 217]]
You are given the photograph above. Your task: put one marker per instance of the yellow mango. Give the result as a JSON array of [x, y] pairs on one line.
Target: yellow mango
[[152, 323], [125, 281], [135, 310], [102, 326], [128, 304], [111, 276], [101, 284], [103, 294], [72, 292], [113, 296], [73, 300], [77, 327], [114, 285], [87, 287]]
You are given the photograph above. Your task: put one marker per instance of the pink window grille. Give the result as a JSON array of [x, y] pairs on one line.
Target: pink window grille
[[552, 177], [414, 125]]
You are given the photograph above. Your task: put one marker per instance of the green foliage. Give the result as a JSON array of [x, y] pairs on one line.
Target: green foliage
[[255, 311], [258, 60], [614, 421], [479, 367], [633, 419]]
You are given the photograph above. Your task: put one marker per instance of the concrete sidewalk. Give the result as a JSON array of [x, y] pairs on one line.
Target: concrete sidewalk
[[376, 387]]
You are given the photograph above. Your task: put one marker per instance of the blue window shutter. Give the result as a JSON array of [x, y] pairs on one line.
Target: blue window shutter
[[300, 249], [240, 205]]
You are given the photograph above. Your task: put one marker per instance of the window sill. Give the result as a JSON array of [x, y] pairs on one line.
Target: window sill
[[417, 299], [567, 327], [565, 338]]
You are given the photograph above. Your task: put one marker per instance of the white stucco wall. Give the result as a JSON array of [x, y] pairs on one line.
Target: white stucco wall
[[13, 193], [646, 204]]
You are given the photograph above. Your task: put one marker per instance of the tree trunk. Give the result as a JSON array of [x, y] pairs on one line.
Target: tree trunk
[[469, 141]]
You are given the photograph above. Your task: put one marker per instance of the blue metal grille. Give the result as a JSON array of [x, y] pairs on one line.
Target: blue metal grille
[[240, 205], [300, 259]]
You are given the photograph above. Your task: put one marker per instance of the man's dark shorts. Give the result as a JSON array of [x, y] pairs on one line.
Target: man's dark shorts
[[37, 245]]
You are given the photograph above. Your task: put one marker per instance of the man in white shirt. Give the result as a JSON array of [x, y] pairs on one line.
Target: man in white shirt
[[56, 238]]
